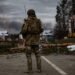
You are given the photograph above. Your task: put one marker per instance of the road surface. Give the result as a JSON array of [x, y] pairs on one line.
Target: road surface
[[15, 64]]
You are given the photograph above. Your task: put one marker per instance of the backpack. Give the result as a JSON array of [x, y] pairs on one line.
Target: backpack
[[32, 26]]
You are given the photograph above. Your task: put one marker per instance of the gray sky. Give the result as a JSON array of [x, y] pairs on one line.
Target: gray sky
[[14, 9]]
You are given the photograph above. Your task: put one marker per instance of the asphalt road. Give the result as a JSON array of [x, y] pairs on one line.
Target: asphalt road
[[15, 64]]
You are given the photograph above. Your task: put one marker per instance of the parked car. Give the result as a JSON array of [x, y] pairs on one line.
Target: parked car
[[71, 49]]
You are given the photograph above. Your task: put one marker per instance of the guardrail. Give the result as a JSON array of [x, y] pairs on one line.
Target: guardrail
[[55, 45]]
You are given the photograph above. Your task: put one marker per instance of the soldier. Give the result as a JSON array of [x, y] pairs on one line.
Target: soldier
[[31, 30]]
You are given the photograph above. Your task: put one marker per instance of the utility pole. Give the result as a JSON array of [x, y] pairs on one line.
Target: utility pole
[[70, 30]]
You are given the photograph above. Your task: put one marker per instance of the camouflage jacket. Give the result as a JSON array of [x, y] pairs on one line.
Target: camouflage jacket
[[31, 39]]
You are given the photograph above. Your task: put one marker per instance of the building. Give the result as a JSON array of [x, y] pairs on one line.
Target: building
[[46, 35], [3, 34]]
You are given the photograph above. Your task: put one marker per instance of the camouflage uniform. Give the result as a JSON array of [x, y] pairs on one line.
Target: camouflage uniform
[[32, 43]]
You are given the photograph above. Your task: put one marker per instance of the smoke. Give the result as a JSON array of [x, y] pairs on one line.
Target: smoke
[[10, 26]]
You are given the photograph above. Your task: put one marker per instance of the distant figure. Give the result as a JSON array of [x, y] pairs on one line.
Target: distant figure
[[31, 30]]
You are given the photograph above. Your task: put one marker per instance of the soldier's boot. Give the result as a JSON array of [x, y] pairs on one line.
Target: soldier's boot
[[29, 62], [38, 61]]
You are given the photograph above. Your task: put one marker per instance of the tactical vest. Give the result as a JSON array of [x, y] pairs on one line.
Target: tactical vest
[[32, 26]]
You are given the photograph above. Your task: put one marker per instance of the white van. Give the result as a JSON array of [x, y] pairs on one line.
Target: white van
[[71, 48]]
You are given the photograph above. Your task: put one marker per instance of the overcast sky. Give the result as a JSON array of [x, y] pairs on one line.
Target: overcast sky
[[15, 9]]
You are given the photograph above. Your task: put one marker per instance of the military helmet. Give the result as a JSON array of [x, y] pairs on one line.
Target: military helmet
[[31, 12]]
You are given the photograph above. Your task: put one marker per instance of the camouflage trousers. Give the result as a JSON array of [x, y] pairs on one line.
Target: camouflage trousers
[[35, 50]]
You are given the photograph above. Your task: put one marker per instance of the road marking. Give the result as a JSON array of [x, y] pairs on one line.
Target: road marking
[[54, 66]]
